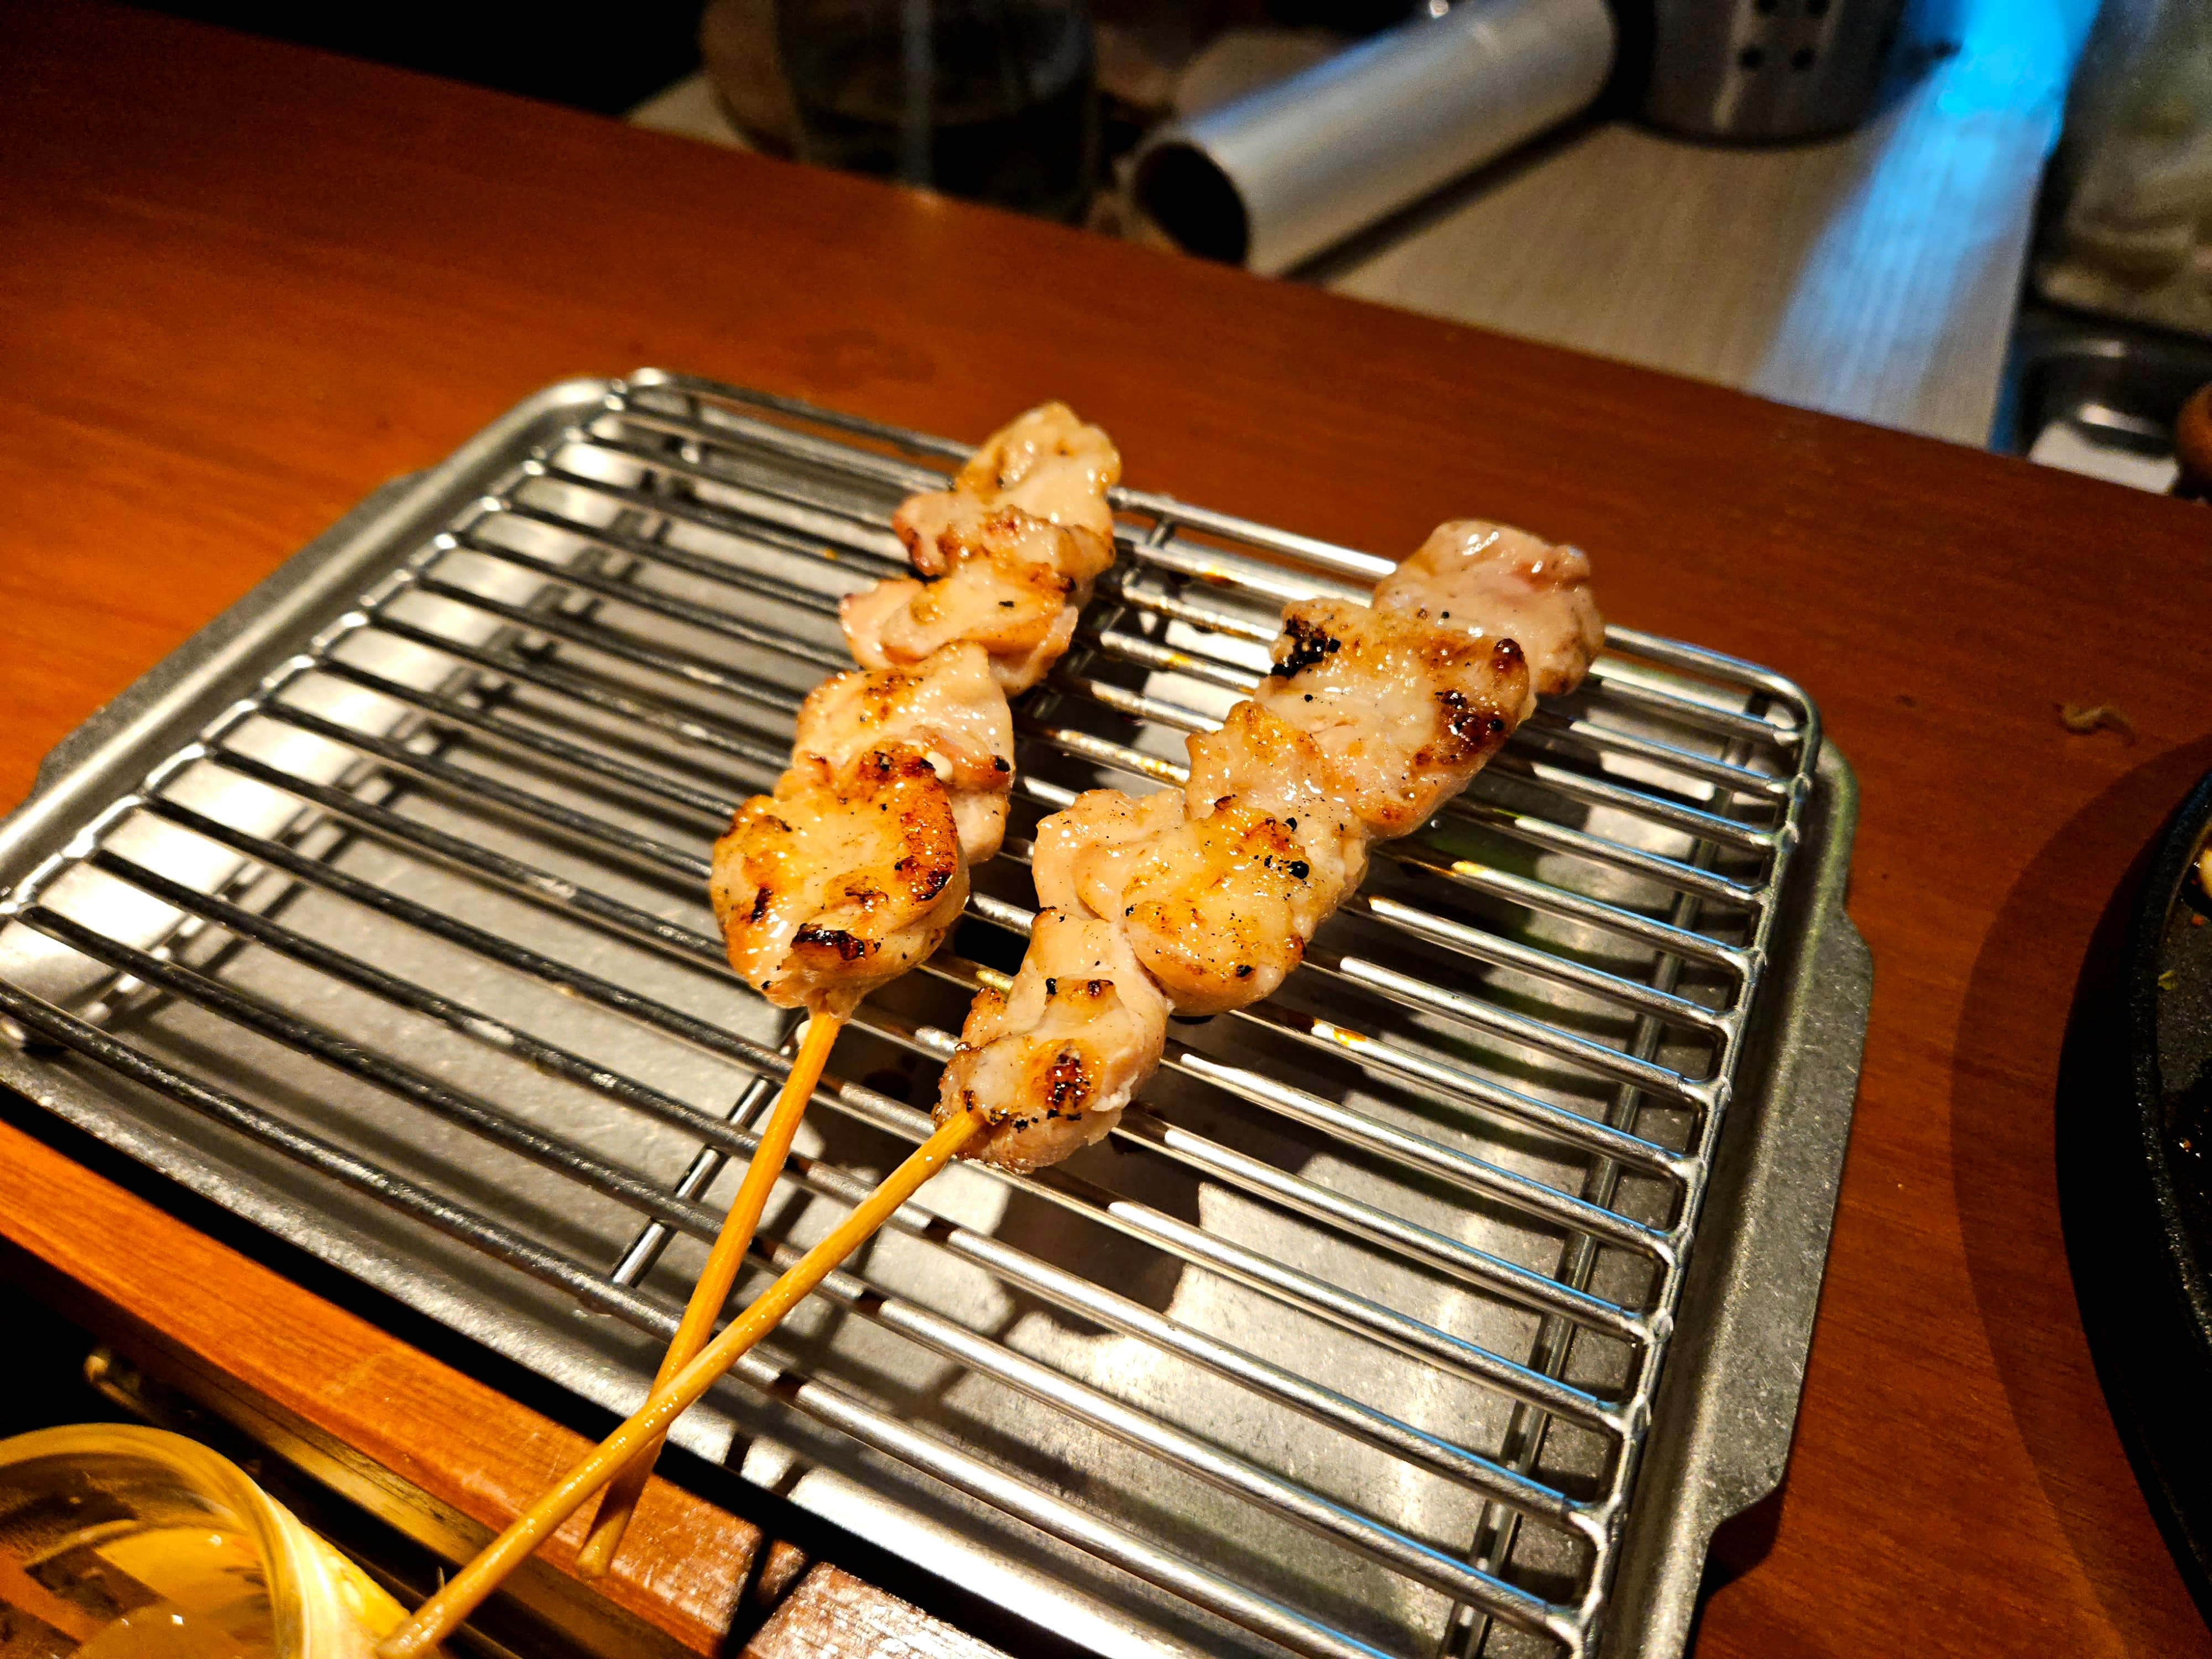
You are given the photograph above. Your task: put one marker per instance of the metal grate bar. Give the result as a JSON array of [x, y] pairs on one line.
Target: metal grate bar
[[1295, 1289], [1502, 952], [451, 713], [655, 855], [1236, 676], [1540, 897], [677, 664], [1387, 1544], [644, 1251], [1567, 1125], [1279, 587], [660, 552], [1436, 999], [832, 520], [1120, 583], [527, 881], [1417, 1152], [865, 548], [831, 1405], [1597, 1056], [1411, 854], [706, 618], [1474, 1266], [578, 689], [1410, 1150], [1377, 1428], [1676, 873], [1140, 1127]]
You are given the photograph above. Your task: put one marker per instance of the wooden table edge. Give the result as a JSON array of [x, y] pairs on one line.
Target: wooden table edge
[[334, 1394]]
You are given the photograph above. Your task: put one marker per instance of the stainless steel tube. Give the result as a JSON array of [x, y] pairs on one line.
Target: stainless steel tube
[[1277, 176]]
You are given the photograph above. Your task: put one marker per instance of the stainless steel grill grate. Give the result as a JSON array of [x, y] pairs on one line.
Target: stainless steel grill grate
[[1347, 1341]]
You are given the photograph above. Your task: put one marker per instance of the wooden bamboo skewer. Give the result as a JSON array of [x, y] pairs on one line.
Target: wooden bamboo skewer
[[439, 1617], [717, 1277], [626, 1479]]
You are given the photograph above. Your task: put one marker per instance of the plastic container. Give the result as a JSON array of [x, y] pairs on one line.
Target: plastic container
[[118, 1542]]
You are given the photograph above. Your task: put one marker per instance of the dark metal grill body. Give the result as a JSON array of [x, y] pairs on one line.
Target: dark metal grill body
[[378, 914]]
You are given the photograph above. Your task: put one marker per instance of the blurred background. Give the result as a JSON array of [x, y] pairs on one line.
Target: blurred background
[[1982, 219]]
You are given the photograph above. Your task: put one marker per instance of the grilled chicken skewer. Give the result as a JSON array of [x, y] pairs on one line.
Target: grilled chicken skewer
[[1006, 556], [854, 868], [1372, 717]]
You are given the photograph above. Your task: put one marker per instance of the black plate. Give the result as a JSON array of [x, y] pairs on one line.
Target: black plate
[[2135, 1178]]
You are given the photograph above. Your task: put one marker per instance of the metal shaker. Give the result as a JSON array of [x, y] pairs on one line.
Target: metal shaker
[[1761, 69]]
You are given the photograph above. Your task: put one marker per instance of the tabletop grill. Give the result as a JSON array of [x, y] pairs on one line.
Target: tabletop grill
[[379, 915]]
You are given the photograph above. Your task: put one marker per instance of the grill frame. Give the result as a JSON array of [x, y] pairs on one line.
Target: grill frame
[[1795, 1056]]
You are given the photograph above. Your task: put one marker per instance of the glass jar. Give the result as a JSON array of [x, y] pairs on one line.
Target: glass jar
[[990, 99], [118, 1542]]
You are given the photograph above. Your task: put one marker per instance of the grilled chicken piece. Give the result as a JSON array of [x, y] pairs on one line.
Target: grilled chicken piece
[[1372, 717], [1402, 711], [846, 877], [1007, 556], [1053, 1062], [1083, 852], [1217, 907], [1000, 578], [949, 707], [1221, 908], [1491, 581], [1263, 761], [1049, 463]]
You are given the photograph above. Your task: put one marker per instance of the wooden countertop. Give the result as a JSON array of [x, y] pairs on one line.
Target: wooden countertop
[[243, 285]]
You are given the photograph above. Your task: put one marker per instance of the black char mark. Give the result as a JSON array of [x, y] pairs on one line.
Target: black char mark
[[1068, 1085], [849, 947], [1476, 728], [1308, 645]]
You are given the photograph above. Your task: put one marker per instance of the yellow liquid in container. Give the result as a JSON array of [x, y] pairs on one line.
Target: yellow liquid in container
[[129, 1543], [211, 1597]]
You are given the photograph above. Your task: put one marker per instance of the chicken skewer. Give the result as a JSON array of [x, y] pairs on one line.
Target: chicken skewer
[[854, 869], [1372, 717]]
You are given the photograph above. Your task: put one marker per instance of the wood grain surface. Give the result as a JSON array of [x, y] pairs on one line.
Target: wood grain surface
[[288, 1365], [242, 284]]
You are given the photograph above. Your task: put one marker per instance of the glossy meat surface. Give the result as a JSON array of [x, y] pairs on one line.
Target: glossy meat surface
[[1492, 581], [1005, 558], [1219, 908], [1000, 578], [950, 707], [1053, 466], [1262, 760], [1402, 713], [1373, 717], [1053, 1060], [844, 878], [1083, 852]]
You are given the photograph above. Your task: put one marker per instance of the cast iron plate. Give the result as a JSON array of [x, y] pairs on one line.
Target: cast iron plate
[[2134, 1175]]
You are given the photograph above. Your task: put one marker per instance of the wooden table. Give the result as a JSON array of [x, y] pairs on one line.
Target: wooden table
[[243, 285]]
